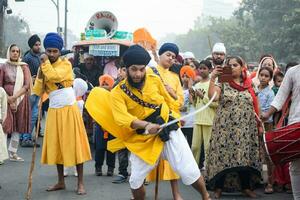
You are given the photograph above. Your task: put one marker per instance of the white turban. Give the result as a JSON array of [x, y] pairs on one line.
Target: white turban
[[188, 55], [219, 47], [87, 55], [80, 87]]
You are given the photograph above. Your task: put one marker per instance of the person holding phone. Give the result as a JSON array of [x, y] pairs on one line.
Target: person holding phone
[[234, 146]]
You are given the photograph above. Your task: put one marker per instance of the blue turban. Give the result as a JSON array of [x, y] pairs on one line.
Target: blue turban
[[168, 47], [136, 55], [53, 40]]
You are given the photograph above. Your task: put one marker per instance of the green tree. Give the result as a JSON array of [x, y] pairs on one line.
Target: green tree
[[16, 31], [277, 25], [257, 27]]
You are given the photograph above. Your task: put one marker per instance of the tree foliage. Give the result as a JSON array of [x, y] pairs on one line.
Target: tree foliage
[[257, 27], [16, 31]]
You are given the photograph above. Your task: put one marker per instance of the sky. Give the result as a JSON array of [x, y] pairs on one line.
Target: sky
[[160, 17]]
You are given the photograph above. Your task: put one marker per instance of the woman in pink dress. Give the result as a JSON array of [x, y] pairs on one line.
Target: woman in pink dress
[[15, 78]]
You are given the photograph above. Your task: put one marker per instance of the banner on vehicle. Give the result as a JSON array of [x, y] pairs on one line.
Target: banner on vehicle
[[104, 50]]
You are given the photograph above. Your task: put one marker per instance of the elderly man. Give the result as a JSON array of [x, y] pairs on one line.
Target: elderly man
[[65, 140], [132, 112], [88, 71]]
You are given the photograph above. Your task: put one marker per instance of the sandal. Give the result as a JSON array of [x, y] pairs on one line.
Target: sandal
[[15, 157], [269, 189]]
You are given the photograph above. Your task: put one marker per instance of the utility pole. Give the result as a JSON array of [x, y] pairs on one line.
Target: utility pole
[[66, 23], [1, 29], [3, 6], [57, 11]]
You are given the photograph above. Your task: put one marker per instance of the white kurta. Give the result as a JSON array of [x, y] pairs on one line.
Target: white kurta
[[3, 110], [290, 84], [177, 152]]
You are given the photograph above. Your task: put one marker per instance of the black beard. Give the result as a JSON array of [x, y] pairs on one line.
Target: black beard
[[218, 61], [36, 52], [135, 85], [52, 59]]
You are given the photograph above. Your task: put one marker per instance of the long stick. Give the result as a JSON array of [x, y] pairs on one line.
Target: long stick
[[29, 189], [156, 181], [190, 114]]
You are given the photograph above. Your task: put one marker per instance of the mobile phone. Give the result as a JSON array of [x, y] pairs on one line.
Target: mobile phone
[[226, 75]]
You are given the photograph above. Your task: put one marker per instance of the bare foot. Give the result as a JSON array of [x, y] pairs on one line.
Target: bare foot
[[178, 197], [58, 186], [218, 193], [206, 197], [250, 193], [269, 189], [81, 190]]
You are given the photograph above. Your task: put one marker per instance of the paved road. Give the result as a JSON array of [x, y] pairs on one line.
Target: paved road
[[13, 179]]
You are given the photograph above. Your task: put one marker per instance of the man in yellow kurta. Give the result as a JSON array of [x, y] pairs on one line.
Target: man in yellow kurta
[[131, 112], [65, 140], [167, 55]]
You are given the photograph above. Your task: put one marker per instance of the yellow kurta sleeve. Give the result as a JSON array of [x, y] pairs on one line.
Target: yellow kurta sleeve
[[119, 109], [38, 87], [57, 74], [168, 99], [171, 79], [115, 112], [179, 93]]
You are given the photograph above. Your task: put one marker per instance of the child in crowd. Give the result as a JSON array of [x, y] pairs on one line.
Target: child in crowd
[[278, 78], [265, 97], [204, 120], [187, 75], [102, 137], [80, 88]]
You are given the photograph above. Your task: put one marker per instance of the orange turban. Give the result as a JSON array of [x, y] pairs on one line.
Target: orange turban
[[189, 71], [106, 79], [143, 37]]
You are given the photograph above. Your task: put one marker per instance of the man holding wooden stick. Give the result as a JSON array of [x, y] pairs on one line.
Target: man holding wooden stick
[[65, 140], [133, 112]]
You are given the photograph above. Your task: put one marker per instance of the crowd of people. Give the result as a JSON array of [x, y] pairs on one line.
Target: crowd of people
[[220, 148]]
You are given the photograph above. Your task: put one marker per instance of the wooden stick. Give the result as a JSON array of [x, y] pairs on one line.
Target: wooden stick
[[29, 189], [209, 43], [156, 181]]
